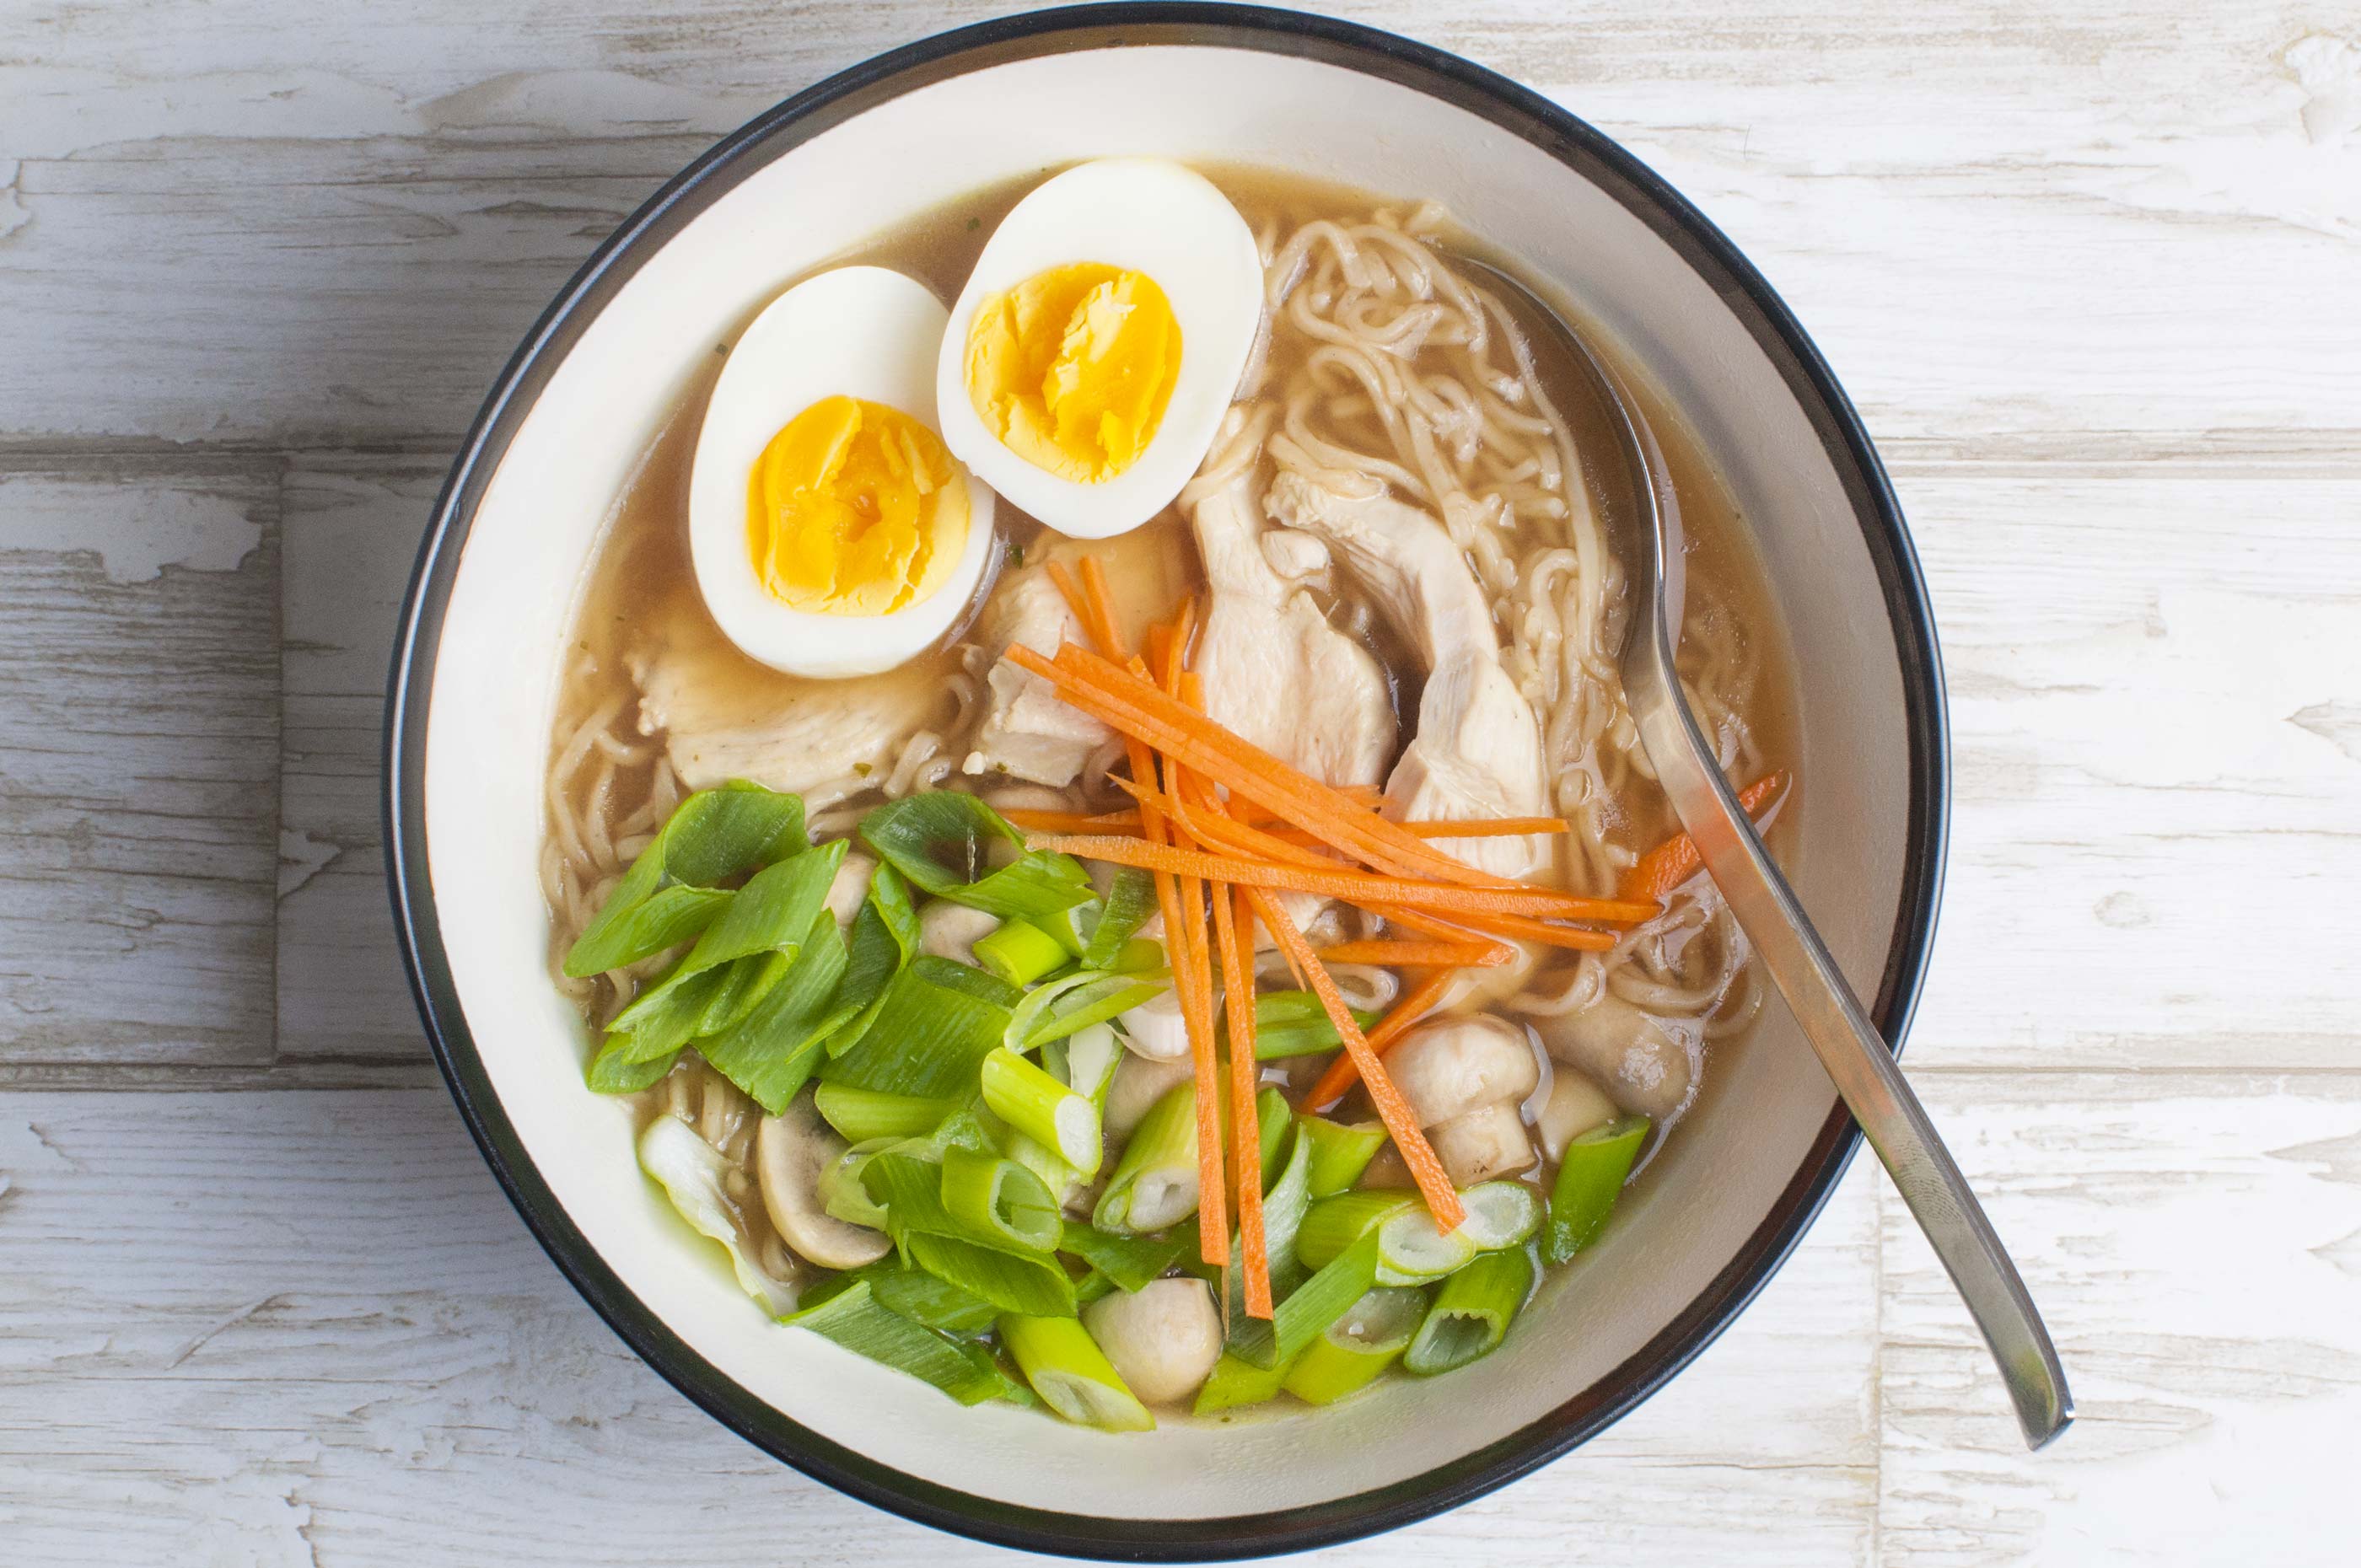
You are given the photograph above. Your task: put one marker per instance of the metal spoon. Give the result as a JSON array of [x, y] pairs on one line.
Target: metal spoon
[[1648, 541]]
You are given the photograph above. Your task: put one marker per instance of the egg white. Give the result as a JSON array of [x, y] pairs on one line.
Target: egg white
[[857, 332], [1142, 214]]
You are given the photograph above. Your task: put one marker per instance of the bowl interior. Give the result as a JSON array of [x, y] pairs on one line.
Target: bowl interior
[[810, 195]]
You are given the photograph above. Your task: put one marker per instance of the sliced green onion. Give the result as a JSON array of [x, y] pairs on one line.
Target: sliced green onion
[[1283, 1205], [1019, 952], [1274, 1119], [1131, 1262], [842, 1193], [1295, 1023], [1340, 1152], [919, 1296], [1043, 1109], [1471, 1312], [1043, 1161], [615, 1070], [1335, 1224], [771, 1052], [1140, 956], [669, 894], [861, 1114], [664, 918], [772, 912], [929, 1033], [744, 982], [1130, 900], [1359, 1346], [998, 1197], [941, 841], [1010, 1281], [665, 1015], [1069, 928], [853, 1319], [1086, 1061], [1070, 1373], [1412, 1250], [1154, 1182], [1236, 1381], [1074, 1003], [1320, 1301], [1589, 1177], [1499, 1214], [690, 1172]]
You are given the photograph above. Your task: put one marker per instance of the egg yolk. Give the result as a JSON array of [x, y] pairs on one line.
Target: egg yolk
[[855, 509], [1072, 368]]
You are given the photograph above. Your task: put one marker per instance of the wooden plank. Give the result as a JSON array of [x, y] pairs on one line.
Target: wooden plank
[[348, 1346], [352, 529], [2156, 698], [2049, 222], [139, 733], [2196, 1243]]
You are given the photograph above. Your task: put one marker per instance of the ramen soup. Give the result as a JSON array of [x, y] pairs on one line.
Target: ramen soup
[[1091, 820]]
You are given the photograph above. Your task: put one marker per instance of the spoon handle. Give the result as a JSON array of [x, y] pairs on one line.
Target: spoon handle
[[1864, 1070]]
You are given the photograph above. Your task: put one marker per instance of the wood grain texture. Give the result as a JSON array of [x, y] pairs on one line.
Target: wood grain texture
[[2197, 1245], [1997, 217], [2091, 268], [138, 739]]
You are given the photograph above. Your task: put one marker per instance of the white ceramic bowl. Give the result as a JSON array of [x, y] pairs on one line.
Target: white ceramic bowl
[[476, 668]]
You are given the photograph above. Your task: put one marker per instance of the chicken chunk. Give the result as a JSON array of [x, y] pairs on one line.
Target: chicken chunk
[[723, 717], [1029, 731], [1275, 670], [1478, 751]]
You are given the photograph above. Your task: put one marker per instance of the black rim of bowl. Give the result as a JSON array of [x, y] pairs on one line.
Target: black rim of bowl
[[1383, 55]]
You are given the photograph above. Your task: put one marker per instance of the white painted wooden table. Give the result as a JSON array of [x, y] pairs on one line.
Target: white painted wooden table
[[2093, 270]]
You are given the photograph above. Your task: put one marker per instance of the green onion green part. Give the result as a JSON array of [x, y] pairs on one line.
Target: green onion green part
[[853, 1319], [671, 893], [1340, 1152], [1020, 952], [1154, 1182], [861, 1114], [1335, 1224], [929, 1033], [1357, 1347], [1131, 1262], [942, 841], [1043, 1109], [989, 1195], [1130, 900], [1471, 1312], [1589, 1178], [920, 1297], [1072, 1375]]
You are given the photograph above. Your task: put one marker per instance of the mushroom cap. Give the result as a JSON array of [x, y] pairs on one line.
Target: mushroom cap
[[1487, 1142], [949, 930], [1646, 1064], [1139, 1082], [1451, 1066], [1162, 1339], [1575, 1106], [790, 1153]]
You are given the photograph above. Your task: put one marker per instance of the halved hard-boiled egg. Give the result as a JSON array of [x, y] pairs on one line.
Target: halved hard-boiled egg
[[1098, 341], [832, 532]]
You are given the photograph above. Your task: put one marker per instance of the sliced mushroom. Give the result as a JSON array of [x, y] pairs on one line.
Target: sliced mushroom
[[949, 930], [1645, 1063], [1138, 1083], [1575, 1106], [790, 1152], [851, 888], [1465, 1077], [1483, 1143], [1163, 1339]]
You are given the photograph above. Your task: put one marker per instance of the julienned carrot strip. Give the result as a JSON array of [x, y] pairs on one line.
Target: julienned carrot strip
[[1676, 860], [1473, 827], [1094, 592], [1189, 950], [1076, 601], [1401, 1121], [1223, 832], [1410, 955], [1138, 708], [1343, 1073], [1072, 821], [1523, 928], [1357, 887], [1246, 1132]]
